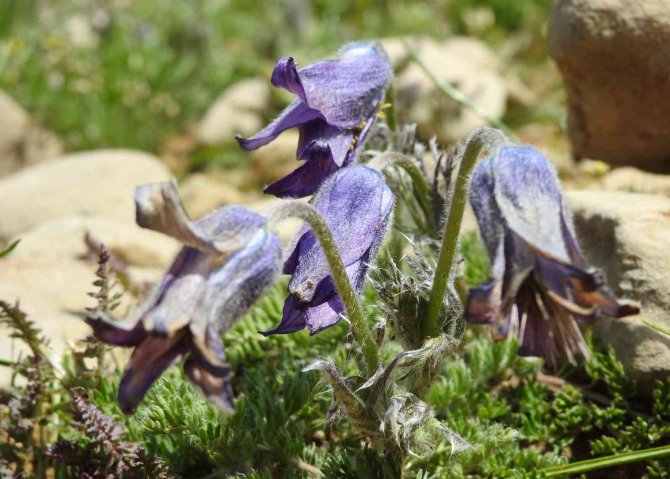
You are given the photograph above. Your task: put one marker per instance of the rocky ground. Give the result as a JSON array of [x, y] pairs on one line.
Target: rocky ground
[[50, 200]]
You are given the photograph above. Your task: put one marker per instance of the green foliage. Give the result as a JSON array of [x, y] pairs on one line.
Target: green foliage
[[9, 248]]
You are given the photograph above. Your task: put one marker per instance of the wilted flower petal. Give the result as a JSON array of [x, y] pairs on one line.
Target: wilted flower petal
[[336, 106], [541, 288], [229, 259], [356, 204]]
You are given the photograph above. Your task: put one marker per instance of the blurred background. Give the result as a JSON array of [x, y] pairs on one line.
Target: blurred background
[[147, 75], [97, 96]]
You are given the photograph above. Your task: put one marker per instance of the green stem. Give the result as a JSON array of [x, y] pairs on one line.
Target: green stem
[[419, 182], [391, 115], [458, 95], [481, 138], [608, 461], [307, 213]]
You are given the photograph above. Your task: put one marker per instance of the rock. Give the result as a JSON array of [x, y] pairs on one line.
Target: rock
[[466, 64], [615, 59], [277, 159], [22, 143], [80, 31], [204, 192], [62, 239], [397, 52], [627, 236], [238, 110], [95, 183], [635, 181], [50, 292]]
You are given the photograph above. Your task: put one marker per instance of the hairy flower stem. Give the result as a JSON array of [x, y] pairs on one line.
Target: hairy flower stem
[[390, 114], [488, 138], [419, 182], [361, 331]]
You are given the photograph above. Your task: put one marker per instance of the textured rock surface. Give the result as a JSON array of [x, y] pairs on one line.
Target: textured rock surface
[[62, 239], [465, 63], [50, 292], [239, 110], [22, 143], [635, 181], [627, 235], [615, 59], [96, 183]]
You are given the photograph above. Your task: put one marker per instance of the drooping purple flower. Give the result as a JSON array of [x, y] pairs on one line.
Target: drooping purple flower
[[228, 259], [336, 106], [542, 289], [356, 204]]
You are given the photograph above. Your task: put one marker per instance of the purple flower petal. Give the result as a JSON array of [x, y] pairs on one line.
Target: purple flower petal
[[296, 114], [294, 318], [153, 356], [229, 259], [304, 181], [206, 367], [337, 103], [324, 315], [347, 89], [356, 204], [541, 288], [117, 333]]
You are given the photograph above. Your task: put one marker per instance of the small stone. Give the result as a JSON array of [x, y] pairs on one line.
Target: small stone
[[95, 183], [22, 143], [627, 236], [466, 64], [614, 56], [237, 111]]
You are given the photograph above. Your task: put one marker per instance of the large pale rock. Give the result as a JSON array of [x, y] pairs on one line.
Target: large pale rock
[[615, 59], [204, 192], [636, 181], [466, 64], [62, 239], [276, 159], [96, 183], [50, 292], [22, 143], [627, 235], [239, 110]]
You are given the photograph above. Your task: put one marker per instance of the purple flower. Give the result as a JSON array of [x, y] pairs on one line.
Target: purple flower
[[228, 259], [542, 288], [336, 106], [356, 204]]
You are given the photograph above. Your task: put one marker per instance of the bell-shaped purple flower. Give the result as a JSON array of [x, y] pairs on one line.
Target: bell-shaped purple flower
[[228, 259], [542, 289], [356, 204], [336, 106]]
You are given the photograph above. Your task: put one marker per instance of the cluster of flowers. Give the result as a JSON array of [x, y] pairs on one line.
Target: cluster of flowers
[[541, 289]]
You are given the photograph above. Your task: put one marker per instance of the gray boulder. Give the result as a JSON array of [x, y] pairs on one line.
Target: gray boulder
[[627, 235], [615, 59]]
